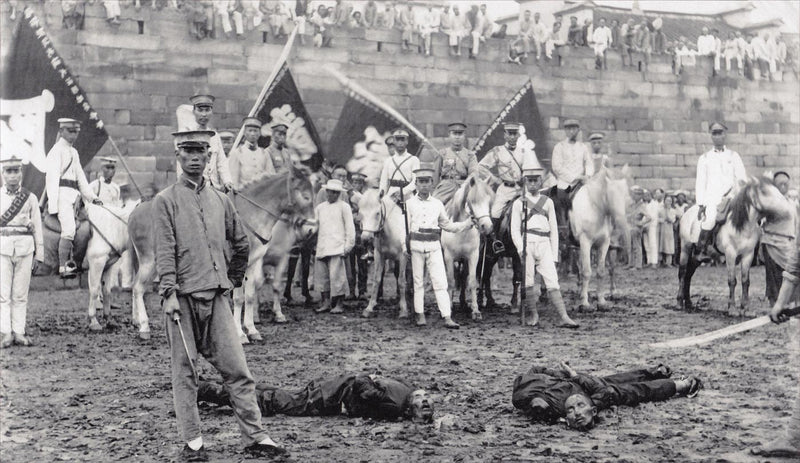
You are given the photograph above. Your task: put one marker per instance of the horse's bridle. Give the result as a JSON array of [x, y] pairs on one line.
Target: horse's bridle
[[381, 221]]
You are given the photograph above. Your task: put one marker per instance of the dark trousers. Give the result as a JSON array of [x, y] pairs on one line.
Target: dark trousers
[[774, 274], [305, 263], [631, 388]]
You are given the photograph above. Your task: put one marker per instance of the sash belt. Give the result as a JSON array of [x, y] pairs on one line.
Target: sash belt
[[426, 234], [510, 184], [12, 231], [538, 233], [68, 183], [398, 183]]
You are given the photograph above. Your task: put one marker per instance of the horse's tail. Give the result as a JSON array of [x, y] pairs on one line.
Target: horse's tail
[[134, 256]]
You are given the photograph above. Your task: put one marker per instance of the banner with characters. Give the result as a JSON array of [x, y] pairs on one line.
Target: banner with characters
[[521, 108], [38, 89]]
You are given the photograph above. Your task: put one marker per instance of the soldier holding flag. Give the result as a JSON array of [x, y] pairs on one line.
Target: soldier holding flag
[[65, 183]]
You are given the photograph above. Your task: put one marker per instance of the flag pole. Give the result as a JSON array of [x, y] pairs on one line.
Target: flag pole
[[282, 59], [380, 104], [124, 164]]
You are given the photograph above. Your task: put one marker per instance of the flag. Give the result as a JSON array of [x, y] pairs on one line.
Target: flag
[[358, 141], [522, 108], [280, 102], [38, 89]]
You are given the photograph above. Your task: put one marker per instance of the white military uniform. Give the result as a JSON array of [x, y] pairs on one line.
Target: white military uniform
[[20, 241], [248, 162], [426, 220], [508, 167], [108, 192], [541, 235], [65, 183], [717, 174], [398, 172], [570, 161], [217, 171]]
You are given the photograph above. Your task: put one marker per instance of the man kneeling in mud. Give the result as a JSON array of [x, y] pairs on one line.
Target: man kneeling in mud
[[357, 395], [548, 395]]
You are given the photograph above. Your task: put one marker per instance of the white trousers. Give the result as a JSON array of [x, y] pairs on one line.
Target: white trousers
[[502, 197], [66, 212], [112, 8], [539, 258], [711, 217], [15, 279], [476, 42], [650, 236], [434, 263]]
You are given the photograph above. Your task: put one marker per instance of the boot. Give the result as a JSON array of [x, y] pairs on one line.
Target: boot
[[66, 266], [421, 319], [561, 308], [530, 307], [700, 249]]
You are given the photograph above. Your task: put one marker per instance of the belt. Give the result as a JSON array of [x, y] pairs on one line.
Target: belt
[[13, 231], [426, 234], [398, 183], [510, 184], [538, 232], [68, 183], [456, 177]]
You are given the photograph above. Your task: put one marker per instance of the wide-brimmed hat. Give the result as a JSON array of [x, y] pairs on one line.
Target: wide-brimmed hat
[[334, 185]]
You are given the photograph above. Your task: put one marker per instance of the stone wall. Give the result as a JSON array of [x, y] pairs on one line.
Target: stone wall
[[655, 121]]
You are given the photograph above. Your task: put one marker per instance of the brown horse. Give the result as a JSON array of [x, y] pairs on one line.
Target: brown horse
[[736, 238], [260, 205]]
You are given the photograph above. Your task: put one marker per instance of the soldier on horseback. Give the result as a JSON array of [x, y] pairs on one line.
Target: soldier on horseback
[[718, 172], [455, 164], [65, 183]]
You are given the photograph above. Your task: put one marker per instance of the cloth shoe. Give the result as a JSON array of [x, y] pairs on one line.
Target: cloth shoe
[[189, 455], [21, 340], [450, 324], [421, 319], [264, 450], [7, 341]]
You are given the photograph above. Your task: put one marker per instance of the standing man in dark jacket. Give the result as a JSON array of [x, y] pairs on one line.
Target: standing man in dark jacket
[[194, 223], [358, 395]]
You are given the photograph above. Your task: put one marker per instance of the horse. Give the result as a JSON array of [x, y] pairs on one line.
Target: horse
[[736, 238], [472, 200], [598, 208], [260, 205], [107, 244], [488, 258], [382, 223]]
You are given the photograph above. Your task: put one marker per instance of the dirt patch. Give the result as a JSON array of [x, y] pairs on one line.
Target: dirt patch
[[77, 396]]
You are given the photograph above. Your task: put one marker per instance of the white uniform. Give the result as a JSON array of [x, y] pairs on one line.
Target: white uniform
[[570, 161], [542, 238], [508, 167], [399, 170], [217, 171], [246, 164], [108, 192], [20, 242], [717, 173], [426, 219], [64, 167]]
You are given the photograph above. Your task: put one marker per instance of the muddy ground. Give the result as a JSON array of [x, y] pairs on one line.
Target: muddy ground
[[77, 396]]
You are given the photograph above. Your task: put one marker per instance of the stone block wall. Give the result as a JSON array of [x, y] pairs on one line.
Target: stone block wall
[[655, 122]]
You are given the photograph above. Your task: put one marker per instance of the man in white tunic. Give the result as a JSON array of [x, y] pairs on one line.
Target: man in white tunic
[[719, 171], [427, 218], [397, 174], [249, 161], [65, 183], [540, 232], [20, 242], [104, 187]]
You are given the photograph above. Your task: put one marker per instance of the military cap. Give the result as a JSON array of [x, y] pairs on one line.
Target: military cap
[[203, 100], [596, 136], [67, 122], [571, 123], [251, 122], [511, 127], [355, 175], [531, 167], [277, 126], [637, 189], [425, 170], [226, 135], [11, 163], [457, 127], [717, 127], [107, 161], [195, 138], [400, 133]]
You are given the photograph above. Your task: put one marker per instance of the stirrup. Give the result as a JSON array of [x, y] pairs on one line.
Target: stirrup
[[70, 269], [498, 247]]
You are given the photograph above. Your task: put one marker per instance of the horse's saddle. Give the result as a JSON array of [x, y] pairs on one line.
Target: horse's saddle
[[722, 209], [51, 222]]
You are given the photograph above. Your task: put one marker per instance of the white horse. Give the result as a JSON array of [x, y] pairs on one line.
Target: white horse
[[597, 208], [472, 200], [109, 242], [275, 253], [382, 223]]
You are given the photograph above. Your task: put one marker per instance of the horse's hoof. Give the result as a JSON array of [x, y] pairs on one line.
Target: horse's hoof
[[95, 326], [144, 335], [367, 313], [514, 310], [603, 306], [280, 318], [403, 314], [586, 308], [243, 339], [254, 337], [476, 315]]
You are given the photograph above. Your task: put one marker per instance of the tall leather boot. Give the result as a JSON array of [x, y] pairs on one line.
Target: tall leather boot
[[531, 311], [561, 308], [66, 266], [700, 250]]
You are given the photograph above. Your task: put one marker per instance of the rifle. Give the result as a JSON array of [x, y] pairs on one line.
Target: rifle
[[524, 233], [409, 276]]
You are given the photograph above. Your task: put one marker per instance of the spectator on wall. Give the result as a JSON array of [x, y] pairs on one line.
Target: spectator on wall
[[73, 12], [659, 39], [760, 56], [488, 26], [428, 24], [540, 34], [626, 35], [370, 14], [386, 19], [575, 32], [405, 21], [643, 43], [780, 52], [707, 46], [615, 37], [526, 32], [356, 21], [586, 32], [601, 39], [112, 12], [450, 26], [474, 25], [554, 42], [731, 51]]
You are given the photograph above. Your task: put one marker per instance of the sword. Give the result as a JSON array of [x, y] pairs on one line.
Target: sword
[[723, 332], [176, 317]]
